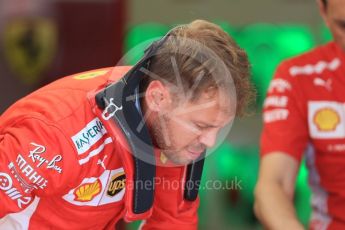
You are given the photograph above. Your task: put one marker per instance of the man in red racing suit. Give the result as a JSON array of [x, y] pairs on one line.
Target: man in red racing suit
[[58, 164], [304, 115]]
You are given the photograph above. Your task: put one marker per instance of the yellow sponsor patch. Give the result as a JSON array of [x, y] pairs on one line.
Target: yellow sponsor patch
[[87, 192], [326, 119], [90, 74]]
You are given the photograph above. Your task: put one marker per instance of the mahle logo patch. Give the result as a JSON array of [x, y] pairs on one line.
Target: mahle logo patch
[[117, 183]]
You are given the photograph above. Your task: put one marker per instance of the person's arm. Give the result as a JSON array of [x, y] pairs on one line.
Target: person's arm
[[275, 190], [33, 158], [283, 142]]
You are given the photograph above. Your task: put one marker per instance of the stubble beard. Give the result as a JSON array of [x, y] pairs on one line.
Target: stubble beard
[[162, 139]]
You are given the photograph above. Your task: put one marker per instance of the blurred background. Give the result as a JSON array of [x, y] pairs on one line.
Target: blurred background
[[41, 41]]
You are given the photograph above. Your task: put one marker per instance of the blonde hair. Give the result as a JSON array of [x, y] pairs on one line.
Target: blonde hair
[[197, 49]]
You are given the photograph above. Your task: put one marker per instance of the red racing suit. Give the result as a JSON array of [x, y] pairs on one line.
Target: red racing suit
[[304, 115], [61, 168]]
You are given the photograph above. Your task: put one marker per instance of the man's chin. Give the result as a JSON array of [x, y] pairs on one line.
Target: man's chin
[[182, 160], [182, 157]]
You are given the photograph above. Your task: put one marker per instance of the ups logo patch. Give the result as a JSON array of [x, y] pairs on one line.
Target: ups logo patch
[[117, 183]]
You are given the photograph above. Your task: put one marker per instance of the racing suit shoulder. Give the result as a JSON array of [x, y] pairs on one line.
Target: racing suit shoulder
[[62, 98], [313, 62]]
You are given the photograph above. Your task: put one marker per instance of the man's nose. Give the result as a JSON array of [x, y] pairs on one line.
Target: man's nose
[[208, 138]]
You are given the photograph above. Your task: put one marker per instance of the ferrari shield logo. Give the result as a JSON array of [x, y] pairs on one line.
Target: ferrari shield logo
[[29, 46]]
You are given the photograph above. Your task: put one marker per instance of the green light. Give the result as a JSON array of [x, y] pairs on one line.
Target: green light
[[267, 45], [139, 37]]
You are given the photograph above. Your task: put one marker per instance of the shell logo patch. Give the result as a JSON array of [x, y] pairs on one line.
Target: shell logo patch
[[117, 183], [86, 192], [90, 74], [326, 119]]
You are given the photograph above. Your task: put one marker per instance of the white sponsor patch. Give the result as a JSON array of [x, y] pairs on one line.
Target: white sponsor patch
[[279, 86], [276, 101], [89, 135], [35, 179], [6, 185], [318, 68], [326, 119], [275, 115], [95, 191]]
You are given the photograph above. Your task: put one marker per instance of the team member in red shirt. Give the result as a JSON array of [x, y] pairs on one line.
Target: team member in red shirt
[[92, 148], [304, 116]]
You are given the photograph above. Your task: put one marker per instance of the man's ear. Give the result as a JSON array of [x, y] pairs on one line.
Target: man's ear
[[157, 96], [323, 11]]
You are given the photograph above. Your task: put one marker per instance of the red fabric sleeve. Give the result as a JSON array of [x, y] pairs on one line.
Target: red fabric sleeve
[[285, 126], [33, 162], [170, 211]]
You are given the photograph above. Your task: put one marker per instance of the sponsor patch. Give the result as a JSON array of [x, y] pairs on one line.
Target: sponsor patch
[[35, 156], [318, 68], [279, 86], [28, 171], [101, 162], [117, 183], [6, 185], [326, 119], [106, 189], [327, 84], [86, 192], [88, 136], [276, 101], [275, 115]]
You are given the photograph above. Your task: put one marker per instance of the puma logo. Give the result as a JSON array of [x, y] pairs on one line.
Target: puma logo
[[101, 162], [323, 83]]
